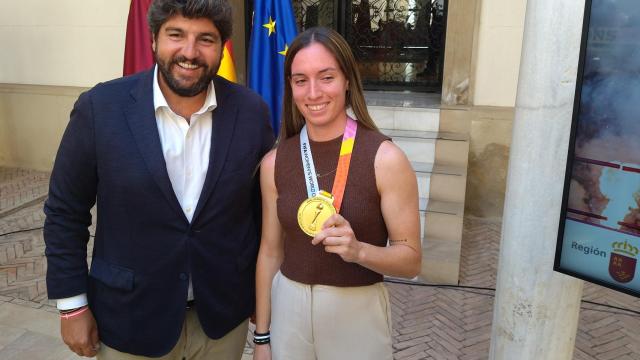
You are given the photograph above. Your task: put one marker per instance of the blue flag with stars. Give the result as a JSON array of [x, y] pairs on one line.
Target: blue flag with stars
[[274, 28]]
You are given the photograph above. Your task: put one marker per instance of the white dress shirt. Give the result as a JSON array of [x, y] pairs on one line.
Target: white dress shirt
[[186, 147]]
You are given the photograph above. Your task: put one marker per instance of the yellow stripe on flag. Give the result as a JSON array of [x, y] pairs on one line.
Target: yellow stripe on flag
[[227, 68]]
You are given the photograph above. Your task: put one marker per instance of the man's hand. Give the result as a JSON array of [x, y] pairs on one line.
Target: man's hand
[[262, 352], [80, 333]]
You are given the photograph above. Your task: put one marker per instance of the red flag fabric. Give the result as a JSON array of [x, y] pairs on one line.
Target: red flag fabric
[[137, 50]]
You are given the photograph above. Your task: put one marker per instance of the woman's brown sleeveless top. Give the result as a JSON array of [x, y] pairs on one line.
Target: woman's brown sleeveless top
[[309, 264]]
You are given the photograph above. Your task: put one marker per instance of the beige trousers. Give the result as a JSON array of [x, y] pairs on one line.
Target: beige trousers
[[310, 322], [193, 344]]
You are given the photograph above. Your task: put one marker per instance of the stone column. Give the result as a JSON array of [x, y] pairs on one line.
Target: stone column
[[536, 310]]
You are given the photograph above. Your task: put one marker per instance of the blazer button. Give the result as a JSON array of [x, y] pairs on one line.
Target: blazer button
[[184, 277]]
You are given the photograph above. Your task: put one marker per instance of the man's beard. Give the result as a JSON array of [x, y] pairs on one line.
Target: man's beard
[[198, 87]]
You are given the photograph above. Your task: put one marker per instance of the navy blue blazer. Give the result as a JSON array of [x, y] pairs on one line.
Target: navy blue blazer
[[145, 248]]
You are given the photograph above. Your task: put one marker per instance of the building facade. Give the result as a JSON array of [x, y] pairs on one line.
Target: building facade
[[56, 50]]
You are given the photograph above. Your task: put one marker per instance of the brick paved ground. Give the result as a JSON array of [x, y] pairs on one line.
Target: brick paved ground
[[439, 323], [429, 322]]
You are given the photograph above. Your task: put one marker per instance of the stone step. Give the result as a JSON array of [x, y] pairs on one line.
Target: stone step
[[401, 118], [444, 207], [406, 99], [440, 261], [419, 146], [442, 148], [443, 220], [452, 150], [403, 110], [441, 230], [447, 187], [423, 171], [422, 207], [439, 218], [440, 182]]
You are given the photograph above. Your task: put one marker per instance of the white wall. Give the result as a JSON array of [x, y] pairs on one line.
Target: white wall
[[498, 52], [51, 51], [62, 42], [32, 120]]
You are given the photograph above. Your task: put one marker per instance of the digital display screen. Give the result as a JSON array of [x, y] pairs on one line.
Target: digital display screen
[[599, 235]]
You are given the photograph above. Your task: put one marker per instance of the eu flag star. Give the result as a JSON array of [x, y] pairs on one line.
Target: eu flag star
[[284, 52], [266, 54], [271, 25]]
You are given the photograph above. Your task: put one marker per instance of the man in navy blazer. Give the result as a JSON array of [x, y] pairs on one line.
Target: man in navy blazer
[[170, 157]]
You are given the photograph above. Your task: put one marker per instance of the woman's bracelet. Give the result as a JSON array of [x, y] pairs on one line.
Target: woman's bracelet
[[66, 314], [261, 338]]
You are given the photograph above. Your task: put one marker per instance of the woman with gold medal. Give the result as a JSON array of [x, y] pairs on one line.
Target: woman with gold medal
[[340, 210]]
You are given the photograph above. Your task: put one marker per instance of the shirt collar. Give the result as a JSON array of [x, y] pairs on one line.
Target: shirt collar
[[159, 100]]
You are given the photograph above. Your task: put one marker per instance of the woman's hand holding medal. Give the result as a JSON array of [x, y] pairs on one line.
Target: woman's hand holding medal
[[338, 237]]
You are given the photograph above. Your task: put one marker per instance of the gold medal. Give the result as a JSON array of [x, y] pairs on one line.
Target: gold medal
[[313, 212]]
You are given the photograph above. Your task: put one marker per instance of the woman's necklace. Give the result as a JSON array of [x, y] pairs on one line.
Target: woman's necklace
[[325, 174]]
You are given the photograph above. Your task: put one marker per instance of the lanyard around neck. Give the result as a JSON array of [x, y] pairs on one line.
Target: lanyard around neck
[[342, 171]]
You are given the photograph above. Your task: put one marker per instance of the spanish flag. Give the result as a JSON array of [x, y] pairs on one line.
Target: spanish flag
[[227, 68]]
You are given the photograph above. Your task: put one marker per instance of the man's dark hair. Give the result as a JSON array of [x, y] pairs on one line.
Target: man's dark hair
[[218, 11]]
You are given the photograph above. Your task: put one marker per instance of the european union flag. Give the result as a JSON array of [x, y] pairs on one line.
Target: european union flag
[[274, 28]]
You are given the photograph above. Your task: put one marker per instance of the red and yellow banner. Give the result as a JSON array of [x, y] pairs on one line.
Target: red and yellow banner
[[227, 67]]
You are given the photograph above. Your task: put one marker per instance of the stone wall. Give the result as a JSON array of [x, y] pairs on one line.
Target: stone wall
[[490, 132], [482, 61]]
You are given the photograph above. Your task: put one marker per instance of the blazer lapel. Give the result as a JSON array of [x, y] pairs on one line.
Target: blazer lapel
[[141, 117], [223, 125]]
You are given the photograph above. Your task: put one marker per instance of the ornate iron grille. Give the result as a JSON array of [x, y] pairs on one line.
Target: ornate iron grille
[[310, 13], [399, 44]]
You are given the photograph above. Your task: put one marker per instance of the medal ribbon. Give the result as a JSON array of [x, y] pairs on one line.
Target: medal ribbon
[[340, 181], [307, 164], [342, 171]]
